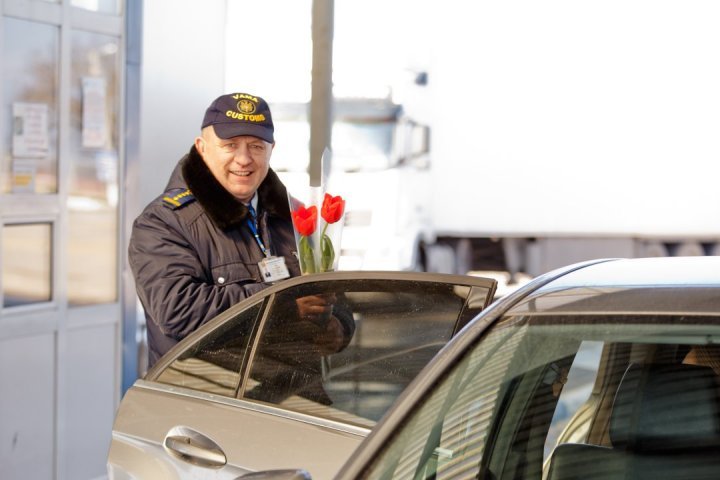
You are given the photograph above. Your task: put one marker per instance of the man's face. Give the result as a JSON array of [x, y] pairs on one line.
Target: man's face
[[240, 164]]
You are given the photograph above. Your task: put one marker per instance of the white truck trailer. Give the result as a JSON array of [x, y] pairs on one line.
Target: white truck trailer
[[570, 130], [555, 131]]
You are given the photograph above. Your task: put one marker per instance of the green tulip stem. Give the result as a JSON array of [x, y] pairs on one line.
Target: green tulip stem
[[327, 252], [307, 259]]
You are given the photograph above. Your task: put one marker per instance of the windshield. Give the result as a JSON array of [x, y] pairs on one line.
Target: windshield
[[535, 388], [356, 146], [368, 134]]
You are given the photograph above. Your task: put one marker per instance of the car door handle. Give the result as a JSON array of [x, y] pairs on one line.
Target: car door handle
[[203, 452]]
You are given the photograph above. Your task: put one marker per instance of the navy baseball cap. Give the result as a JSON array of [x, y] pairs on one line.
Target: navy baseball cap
[[238, 114]]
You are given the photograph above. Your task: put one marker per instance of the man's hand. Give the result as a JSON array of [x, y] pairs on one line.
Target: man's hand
[[316, 308], [328, 334]]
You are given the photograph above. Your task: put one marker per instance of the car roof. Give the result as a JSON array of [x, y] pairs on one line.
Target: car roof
[[660, 285]]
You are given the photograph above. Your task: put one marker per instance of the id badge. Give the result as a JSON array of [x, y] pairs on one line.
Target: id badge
[[273, 269]]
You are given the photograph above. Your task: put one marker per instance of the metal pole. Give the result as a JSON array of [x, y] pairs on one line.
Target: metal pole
[[321, 114], [133, 71]]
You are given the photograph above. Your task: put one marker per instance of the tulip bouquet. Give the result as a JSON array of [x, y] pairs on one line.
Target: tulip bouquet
[[317, 247]]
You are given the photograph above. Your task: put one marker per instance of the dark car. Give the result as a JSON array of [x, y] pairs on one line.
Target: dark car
[[604, 370]]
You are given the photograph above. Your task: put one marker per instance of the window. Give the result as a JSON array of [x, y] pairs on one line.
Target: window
[[92, 203], [26, 259], [30, 107], [606, 394], [350, 365], [215, 362]]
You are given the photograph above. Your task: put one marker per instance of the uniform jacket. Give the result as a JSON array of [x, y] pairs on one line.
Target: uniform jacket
[[193, 255]]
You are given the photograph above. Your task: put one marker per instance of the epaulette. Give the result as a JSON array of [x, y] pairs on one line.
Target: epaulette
[[177, 198]]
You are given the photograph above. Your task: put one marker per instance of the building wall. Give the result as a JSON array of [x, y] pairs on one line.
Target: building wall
[[180, 70], [183, 71]]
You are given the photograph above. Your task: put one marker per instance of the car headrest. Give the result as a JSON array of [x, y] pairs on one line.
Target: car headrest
[[666, 406]]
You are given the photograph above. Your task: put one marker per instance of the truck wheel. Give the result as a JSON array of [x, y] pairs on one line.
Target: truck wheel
[[654, 249], [689, 249]]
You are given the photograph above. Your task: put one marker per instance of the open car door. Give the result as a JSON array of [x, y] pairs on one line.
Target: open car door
[[273, 384]]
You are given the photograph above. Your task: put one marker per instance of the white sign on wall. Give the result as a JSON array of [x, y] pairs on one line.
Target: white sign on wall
[[30, 130], [24, 172]]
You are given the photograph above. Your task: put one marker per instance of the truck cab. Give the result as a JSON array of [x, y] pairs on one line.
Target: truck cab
[[379, 162]]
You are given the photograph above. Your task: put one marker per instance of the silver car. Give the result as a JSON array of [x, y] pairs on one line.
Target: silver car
[[263, 388], [604, 370]]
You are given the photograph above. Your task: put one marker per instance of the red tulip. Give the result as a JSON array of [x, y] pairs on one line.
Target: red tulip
[[332, 208], [305, 220]]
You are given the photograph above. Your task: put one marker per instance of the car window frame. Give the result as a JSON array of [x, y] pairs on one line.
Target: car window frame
[[478, 296], [266, 295]]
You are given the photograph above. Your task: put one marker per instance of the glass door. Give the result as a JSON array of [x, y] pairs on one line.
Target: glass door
[[61, 159]]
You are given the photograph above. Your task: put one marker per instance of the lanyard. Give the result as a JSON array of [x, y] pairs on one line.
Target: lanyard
[[252, 223]]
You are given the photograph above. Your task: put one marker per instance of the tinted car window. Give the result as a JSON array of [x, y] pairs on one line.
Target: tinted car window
[[570, 397], [351, 364], [214, 363]]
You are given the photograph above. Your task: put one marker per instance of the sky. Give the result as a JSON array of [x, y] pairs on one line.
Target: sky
[[372, 49]]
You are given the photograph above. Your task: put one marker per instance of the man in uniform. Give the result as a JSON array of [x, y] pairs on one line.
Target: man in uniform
[[220, 232]]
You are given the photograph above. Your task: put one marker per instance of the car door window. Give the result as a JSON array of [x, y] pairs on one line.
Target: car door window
[[213, 364], [350, 361], [635, 409]]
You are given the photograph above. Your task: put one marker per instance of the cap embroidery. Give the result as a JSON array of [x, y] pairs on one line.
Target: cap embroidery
[[246, 106], [238, 96], [248, 118]]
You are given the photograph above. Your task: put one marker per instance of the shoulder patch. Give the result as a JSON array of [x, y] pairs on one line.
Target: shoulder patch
[[177, 198]]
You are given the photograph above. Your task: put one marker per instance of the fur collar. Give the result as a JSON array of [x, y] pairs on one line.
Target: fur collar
[[223, 209]]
